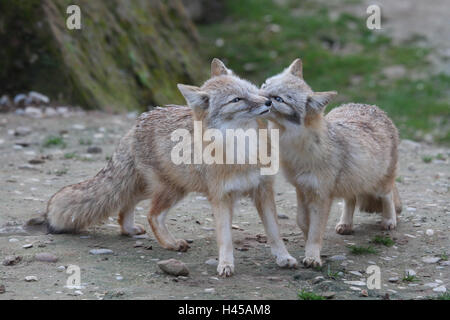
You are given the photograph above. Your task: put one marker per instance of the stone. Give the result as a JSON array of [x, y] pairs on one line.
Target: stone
[[364, 293], [22, 131], [11, 260], [337, 258], [36, 97], [31, 278], [45, 257], [173, 267], [27, 246], [94, 150], [305, 275], [100, 251], [210, 290], [283, 216], [429, 232], [410, 272], [441, 289], [212, 262], [328, 294], [356, 283], [394, 279], [33, 112], [430, 260], [2, 289]]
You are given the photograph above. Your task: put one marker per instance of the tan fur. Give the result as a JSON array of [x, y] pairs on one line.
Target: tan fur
[[141, 168], [350, 153]]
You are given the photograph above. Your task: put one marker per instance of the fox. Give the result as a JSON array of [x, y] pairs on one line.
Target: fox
[[350, 153], [141, 168]]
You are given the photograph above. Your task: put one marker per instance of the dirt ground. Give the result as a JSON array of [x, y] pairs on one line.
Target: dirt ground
[[131, 271]]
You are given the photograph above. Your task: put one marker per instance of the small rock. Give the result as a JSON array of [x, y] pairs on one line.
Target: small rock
[[33, 112], [445, 263], [31, 278], [282, 216], [429, 232], [318, 279], [45, 257], [138, 244], [119, 278], [190, 240], [441, 289], [356, 273], [13, 240], [61, 268], [210, 290], [94, 150], [328, 294], [356, 283], [19, 100], [27, 246], [2, 289], [410, 272], [431, 284], [212, 262], [431, 260], [36, 161], [337, 258], [36, 97], [173, 267], [22, 131], [11, 260], [100, 251], [394, 279], [364, 293]]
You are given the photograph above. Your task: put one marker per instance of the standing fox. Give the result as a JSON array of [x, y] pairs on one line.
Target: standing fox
[[141, 168], [350, 153]]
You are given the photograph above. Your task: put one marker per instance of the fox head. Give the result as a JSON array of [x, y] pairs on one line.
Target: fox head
[[294, 103], [225, 100]]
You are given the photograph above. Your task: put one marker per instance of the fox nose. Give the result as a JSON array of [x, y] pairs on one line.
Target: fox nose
[[268, 103]]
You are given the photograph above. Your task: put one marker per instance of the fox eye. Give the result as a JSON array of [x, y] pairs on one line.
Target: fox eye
[[279, 99], [236, 100]]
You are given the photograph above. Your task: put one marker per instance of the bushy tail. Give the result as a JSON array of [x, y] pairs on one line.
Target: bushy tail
[[369, 203], [77, 206]]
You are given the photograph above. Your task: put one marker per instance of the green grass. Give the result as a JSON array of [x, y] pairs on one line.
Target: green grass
[[409, 278], [338, 54], [309, 295], [386, 241], [360, 250], [427, 159], [440, 156], [444, 256], [332, 274], [444, 296], [70, 155], [54, 141], [85, 142]]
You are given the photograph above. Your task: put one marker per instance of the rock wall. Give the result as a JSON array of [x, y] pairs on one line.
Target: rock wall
[[127, 55]]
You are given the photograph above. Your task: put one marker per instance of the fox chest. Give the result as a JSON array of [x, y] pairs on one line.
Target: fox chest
[[242, 182]]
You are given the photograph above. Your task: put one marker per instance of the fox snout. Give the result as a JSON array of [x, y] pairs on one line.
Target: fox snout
[[261, 106]]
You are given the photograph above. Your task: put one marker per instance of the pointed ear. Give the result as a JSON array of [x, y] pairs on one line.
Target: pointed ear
[[195, 97], [318, 101], [296, 68], [218, 68]]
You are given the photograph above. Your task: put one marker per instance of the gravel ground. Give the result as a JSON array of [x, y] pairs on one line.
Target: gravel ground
[[131, 271]]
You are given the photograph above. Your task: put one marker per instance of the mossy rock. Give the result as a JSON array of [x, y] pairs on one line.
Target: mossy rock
[[127, 55]]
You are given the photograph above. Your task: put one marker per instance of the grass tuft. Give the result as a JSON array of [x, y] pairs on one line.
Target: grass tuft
[[360, 250], [309, 295], [387, 241]]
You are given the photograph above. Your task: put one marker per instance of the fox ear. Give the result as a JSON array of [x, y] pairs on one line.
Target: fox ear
[[218, 68], [318, 101], [195, 97], [296, 68]]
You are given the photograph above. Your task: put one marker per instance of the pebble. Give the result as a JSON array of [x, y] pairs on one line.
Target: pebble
[[22, 131], [328, 294], [394, 279], [94, 149], [100, 251], [318, 279], [45, 257], [212, 262], [431, 284], [356, 273], [2, 289], [429, 232], [305, 275], [410, 272], [355, 288], [431, 260], [37, 97], [210, 290], [61, 268], [119, 278], [173, 267], [31, 278], [33, 112], [138, 244], [364, 293], [337, 258], [442, 289], [356, 283], [283, 216], [13, 240], [11, 260]]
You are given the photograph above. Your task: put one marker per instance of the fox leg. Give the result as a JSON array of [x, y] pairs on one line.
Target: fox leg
[[302, 214], [265, 204], [223, 213], [389, 221], [126, 221], [161, 204], [318, 217], [345, 224]]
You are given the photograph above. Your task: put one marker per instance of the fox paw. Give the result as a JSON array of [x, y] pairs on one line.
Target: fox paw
[[135, 230], [287, 262], [225, 269], [389, 224], [314, 262], [343, 228]]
